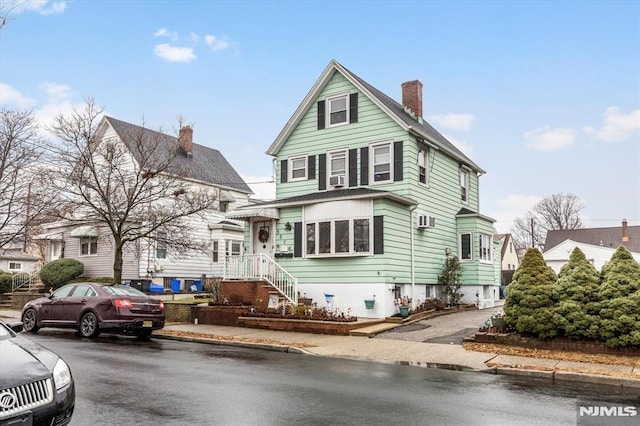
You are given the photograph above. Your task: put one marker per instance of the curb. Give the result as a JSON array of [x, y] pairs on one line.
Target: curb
[[249, 345], [568, 376]]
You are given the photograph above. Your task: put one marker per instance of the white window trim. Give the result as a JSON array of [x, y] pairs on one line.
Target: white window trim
[[89, 254], [305, 160], [328, 110], [490, 248], [228, 247], [351, 252], [14, 269], [460, 246], [346, 165], [423, 157], [372, 164], [464, 184]]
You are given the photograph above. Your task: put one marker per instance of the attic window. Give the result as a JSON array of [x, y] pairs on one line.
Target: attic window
[[337, 111]]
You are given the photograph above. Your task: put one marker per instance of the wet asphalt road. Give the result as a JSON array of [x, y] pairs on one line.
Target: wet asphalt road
[[124, 381]]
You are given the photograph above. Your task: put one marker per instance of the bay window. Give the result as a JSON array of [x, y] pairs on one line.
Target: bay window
[[338, 237]]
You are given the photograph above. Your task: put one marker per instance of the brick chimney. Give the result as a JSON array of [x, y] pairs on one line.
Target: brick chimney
[[625, 231], [185, 139], [412, 96]]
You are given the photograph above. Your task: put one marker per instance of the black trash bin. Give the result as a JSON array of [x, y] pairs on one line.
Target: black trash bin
[[143, 285]]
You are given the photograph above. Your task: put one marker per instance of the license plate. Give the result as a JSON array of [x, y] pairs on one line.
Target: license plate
[[147, 323]]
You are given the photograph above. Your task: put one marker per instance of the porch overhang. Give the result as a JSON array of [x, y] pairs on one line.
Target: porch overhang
[[55, 236], [84, 232], [261, 213]]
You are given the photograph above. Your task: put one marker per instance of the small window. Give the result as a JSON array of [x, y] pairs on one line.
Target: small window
[[298, 168], [233, 247], [338, 110], [464, 186], [337, 163], [381, 162], [215, 252], [465, 247], [485, 247], [311, 238], [161, 245], [422, 166], [88, 246], [361, 235], [15, 266], [224, 206]]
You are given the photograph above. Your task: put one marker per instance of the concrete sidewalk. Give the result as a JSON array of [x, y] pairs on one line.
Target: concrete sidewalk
[[398, 351]]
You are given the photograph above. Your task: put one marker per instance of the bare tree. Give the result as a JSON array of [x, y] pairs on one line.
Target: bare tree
[[22, 195], [556, 212], [134, 184]]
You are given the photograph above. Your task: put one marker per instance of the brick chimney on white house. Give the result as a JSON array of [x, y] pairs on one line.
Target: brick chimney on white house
[[625, 231], [412, 96], [185, 139]]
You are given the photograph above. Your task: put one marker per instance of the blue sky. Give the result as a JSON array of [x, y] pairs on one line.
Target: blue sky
[[545, 96]]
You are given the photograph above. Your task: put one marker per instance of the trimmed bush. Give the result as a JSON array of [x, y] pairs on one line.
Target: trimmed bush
[[529, 305], [619, 293], [5, 283], [576, 293], [59, 272]]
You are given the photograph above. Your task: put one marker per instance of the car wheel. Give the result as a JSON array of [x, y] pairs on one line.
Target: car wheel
[[89, 325], [30, 321], [143, 334]]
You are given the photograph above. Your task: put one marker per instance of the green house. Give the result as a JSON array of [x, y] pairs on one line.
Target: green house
[[370, 201]]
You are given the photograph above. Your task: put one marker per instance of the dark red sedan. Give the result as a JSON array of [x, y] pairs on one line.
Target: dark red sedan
[[92, 308]]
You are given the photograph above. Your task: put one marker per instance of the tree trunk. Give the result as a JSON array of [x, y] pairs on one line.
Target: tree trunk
[[117, 264]]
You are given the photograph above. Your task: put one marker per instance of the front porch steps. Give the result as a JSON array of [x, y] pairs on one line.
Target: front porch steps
[[373, 329]]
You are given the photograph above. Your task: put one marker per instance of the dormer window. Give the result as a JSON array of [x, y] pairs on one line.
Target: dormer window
[[337, 111]]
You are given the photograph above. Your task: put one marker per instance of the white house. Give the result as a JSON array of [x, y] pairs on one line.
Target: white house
[[598, 244], [199, 166]]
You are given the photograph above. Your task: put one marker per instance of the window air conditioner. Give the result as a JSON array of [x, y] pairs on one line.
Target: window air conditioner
[[336, 181], [426, 221]]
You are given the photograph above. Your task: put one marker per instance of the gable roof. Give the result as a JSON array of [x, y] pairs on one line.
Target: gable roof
[[416, 125], [206, 164], [605, 237]]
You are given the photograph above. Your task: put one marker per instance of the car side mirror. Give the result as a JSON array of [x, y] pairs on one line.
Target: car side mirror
[[17, 326]]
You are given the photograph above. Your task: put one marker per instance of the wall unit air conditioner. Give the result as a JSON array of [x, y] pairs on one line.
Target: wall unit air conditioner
[[426, 221], [336, 181]]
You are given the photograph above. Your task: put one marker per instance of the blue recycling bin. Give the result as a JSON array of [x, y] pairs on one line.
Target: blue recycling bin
[[175, 286], [198, 284], [156, 288]]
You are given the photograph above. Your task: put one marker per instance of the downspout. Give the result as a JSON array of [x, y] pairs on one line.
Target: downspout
[[413, 281]]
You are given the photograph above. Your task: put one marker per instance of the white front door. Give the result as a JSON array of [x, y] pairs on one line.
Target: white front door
[[263, 237]]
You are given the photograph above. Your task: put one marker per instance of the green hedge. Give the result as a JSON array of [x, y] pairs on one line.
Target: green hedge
[[60, 272], [5, 283]]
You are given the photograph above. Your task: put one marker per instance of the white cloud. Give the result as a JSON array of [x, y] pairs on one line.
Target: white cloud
[[43, 7], [461, 145], [163, 32], [174, 54], [194, 37], [617, 126], [56, 91], [511, 207], [11, 96], [548, 139], [215, 43], [453, 121], [58, 101]]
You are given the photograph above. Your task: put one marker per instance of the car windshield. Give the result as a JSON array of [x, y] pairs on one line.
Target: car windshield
[[123, 290]]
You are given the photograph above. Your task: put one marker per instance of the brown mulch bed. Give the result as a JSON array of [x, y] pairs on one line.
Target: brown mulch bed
[[194, 335], [630, 361]]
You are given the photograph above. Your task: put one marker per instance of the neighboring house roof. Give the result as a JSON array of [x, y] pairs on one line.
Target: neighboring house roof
[[342, 194], [19, 257], [604, 237], [206, 164], [395, 110]]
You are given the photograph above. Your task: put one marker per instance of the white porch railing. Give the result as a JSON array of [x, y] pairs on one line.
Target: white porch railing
[[261, 266], [24, 279]]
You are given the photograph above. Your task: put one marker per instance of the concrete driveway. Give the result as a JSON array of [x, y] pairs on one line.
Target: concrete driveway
[[447, 329]]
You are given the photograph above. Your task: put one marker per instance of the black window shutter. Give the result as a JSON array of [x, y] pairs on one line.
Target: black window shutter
[[297, 239], [312, 167], [378, 235], [364, 166], [284, 169], [320, 115], [353, 108], [397, 161], [322, 172], [353, 167]]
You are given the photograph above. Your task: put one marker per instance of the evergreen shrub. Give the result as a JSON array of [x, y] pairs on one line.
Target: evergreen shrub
[[59, 272]]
